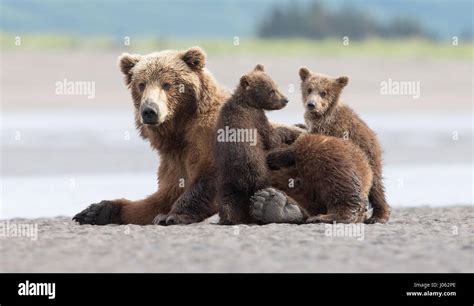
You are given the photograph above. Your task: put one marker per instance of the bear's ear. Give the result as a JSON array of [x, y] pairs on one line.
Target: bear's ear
[[245, 81], [304, 73], [259, 67], [342, 81], [195, 58], [126, 63]]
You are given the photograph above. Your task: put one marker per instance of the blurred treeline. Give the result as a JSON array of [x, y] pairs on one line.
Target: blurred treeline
[[314, 20]]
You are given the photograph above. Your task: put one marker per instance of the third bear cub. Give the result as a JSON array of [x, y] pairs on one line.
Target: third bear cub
[[243, 137], [326, 115]]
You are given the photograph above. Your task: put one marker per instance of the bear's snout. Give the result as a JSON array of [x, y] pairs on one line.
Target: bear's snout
[[149, 113], [311, 105]]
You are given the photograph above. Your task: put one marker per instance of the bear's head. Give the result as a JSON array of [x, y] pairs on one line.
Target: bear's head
[[320, 92], [260, 91], [166, 84]]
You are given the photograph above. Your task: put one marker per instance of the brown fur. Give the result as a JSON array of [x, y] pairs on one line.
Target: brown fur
[[241, 166], [334, 178], [330, 117], [187, 99]]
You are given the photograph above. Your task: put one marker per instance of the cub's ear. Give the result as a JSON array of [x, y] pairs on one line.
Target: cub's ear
[[126, 63], [259, 67], [304, 73], [195, 58], [342, 81], [245, 81]]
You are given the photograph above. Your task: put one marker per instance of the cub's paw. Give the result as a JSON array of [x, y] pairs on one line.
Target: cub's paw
[[97, 214], [174, 219], [227, 222], [375, 219], [330, 218], [379, 216], [321, 219], [280, 158], [160, 219], [273, 162], [271, 206], [302, 126]]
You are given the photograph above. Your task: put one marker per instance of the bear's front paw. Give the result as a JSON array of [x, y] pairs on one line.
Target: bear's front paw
[[331, 218], [273, 161], [271, 206], [280, 158], [174, 219], [96, 214], [374, 219], [160, 219], [322, 219], [292, 137], [302, 126]]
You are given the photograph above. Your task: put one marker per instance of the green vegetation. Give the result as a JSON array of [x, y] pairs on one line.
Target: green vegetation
[[314, 20], [399, 48]]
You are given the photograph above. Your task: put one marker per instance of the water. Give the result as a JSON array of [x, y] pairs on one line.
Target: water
[[58, 163]]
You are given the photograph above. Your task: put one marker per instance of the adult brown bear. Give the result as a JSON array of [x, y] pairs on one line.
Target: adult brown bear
[[177, 102], [176, 105]]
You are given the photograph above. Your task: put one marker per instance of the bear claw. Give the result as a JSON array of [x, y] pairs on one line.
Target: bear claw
[[373, 220], [173, 219], [95, 214], [321, 219], [271, 206], [160, 219]]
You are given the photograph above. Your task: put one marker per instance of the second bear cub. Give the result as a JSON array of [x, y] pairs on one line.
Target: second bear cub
[[243, 135], [327, 116]]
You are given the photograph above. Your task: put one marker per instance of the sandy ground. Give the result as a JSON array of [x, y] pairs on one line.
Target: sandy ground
[[415, 240]]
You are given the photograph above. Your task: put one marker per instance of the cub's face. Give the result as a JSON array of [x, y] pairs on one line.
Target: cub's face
[[320, 92], [262, 91], [163, 83]]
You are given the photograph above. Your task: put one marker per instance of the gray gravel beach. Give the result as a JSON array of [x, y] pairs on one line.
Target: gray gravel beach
[[415, 240]]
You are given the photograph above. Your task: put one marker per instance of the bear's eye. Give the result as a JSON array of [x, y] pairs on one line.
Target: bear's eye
[[166, 86], [322, 94], [141, 86], [309, 90], [273, 92]]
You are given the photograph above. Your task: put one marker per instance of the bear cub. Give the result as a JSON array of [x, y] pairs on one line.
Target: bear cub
[[334, 174], [326, 115], [243, 136]]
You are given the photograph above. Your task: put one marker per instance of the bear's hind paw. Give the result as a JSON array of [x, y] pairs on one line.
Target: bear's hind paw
[[271, 206]]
